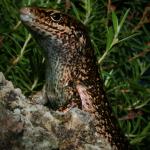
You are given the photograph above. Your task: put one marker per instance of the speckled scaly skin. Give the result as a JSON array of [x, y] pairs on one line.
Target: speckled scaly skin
[[72, 73]]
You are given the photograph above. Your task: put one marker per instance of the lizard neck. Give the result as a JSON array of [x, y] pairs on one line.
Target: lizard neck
[[54, 70], [61, 72]]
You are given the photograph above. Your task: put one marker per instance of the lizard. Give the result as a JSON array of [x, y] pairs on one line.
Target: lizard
[[72, 74]]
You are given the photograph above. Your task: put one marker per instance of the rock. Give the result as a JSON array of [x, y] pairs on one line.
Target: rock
[[26, 125]]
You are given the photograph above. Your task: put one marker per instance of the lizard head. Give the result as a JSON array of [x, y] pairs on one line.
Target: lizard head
[[62, 29]]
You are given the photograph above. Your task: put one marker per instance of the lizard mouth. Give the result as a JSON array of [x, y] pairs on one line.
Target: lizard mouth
[[28, 19], [26, 15]]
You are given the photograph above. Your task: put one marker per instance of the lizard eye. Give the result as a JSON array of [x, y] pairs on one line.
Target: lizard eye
[[56, 17]]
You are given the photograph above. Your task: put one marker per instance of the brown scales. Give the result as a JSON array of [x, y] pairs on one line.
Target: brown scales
[[72, 74]]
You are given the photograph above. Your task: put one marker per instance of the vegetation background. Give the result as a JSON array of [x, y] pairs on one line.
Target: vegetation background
[[120, 33]]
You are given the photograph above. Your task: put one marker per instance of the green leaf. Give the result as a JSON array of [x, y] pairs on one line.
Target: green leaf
[[76, 11], [110, 36], [129, 37], [123, 19], [115, 22]]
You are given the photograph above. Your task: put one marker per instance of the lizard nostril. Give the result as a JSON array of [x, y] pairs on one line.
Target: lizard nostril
[[25, 11]]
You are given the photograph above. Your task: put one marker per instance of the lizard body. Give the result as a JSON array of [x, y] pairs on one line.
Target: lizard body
[[72, 73]]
